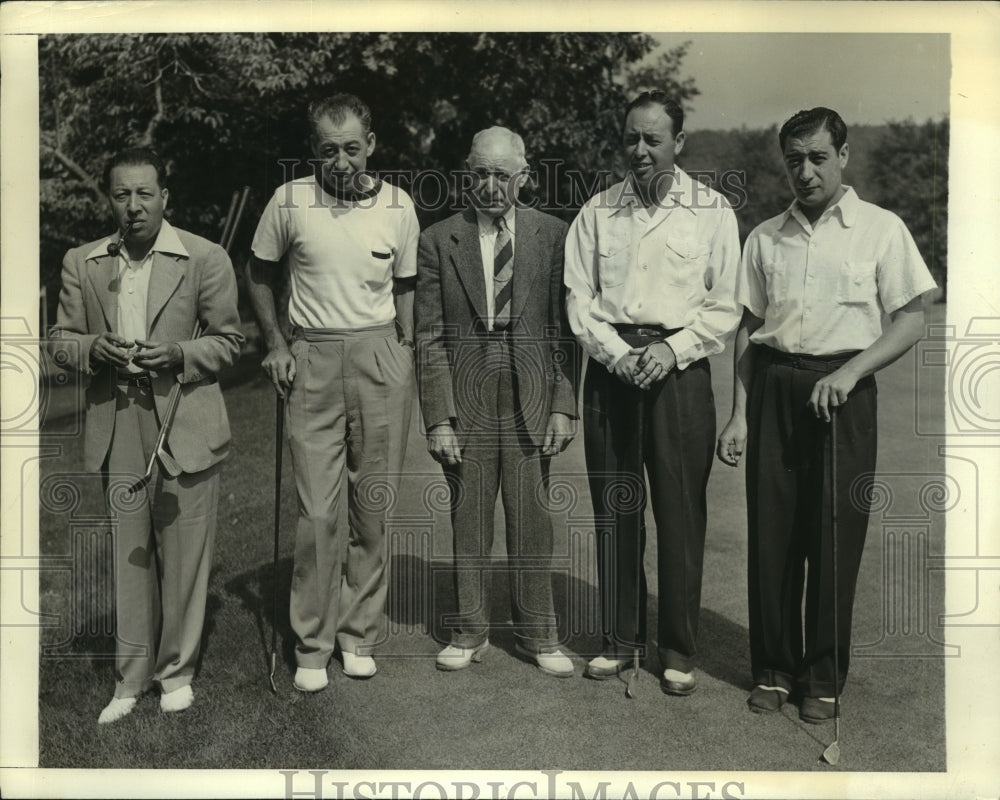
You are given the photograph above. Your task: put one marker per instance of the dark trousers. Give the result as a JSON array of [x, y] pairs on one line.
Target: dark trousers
[[678, 442], [789, 520], [498, 455]]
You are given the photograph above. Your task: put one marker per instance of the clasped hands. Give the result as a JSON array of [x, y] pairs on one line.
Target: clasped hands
[[109, 348], [644, 366]]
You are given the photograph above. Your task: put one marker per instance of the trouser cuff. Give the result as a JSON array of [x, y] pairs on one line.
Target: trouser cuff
[[772, 677], [175, 683], [671, 659]]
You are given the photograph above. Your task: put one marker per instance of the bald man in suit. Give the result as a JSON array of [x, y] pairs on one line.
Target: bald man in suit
[[127, 309], [497, 379]]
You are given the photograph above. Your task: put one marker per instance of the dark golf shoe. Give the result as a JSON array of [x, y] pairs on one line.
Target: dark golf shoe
[[815, 711], [766, 699]]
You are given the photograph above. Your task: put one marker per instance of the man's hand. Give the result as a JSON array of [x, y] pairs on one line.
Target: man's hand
[[110, 349], [279, 366], [655, 363], [831, 391], [627, 366], [732, 440], [158, 356], [442, 444], [558, 434]]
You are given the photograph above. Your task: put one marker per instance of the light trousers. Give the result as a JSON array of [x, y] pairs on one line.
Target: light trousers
[[163, 554], [349, 409]]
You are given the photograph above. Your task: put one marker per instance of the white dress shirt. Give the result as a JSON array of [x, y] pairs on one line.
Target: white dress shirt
[[133, 283], [823, 289], [673, 265]]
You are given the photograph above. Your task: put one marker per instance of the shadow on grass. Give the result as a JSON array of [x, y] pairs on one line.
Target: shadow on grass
[[422, 600], [264, 593]]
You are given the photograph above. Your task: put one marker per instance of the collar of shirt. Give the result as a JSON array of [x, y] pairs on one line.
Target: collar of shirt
[[486, 224], [846, 208], [167, 241], [681, 194]]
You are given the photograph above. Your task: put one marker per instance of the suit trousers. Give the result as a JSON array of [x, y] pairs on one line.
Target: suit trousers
[[678, 445], [498, 455], [349, 407], [163, 554], [789, 521]]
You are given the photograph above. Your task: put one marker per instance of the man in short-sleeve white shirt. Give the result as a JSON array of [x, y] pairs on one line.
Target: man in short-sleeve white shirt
[[350, 243], [815, 284]]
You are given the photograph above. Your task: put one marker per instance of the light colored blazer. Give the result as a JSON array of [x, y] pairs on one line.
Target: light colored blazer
[[197, 284], [449, 307]]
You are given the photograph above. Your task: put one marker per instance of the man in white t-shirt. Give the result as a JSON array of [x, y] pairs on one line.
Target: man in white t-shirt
[[350, 242]]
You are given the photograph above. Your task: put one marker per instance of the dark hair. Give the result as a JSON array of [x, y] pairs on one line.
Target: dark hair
[[337, 107], [657, 97], [137, 157], [813, 121]]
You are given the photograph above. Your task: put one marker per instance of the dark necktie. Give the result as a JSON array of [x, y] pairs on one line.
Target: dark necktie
[[503, 271]]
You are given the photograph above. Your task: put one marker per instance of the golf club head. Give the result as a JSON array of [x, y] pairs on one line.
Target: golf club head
[[633, 680], [169, 463], [832, 754], [274, 662]]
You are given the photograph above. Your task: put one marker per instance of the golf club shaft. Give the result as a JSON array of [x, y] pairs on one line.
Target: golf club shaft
[[833, 536], [279, 429], [640, 434]]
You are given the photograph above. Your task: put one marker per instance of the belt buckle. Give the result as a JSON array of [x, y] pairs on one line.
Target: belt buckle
[[142, 382]]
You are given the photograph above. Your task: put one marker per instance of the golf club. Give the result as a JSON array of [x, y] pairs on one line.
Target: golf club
[[832, 753], [279, 427], [170, 465], [229, 232], [640, 419]]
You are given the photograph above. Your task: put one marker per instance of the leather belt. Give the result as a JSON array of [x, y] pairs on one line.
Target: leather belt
[[141, 379], [806, 361], [646, 330]]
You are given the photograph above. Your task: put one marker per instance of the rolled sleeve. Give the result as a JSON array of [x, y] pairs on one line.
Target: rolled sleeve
[[597, 337], [751, 293], [271, 238], [405, 264], [902, 274]]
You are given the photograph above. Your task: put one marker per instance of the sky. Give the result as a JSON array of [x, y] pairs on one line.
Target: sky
[[760, 79]]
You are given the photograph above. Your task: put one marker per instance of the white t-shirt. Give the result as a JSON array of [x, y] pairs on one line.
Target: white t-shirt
[[342, 254]]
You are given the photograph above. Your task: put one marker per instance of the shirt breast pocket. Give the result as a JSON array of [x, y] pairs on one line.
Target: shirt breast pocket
[[613, 260], [686, 261], [776, 281], [857, 282]]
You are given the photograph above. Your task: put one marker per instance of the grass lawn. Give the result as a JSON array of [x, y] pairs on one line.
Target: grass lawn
[[503, 713]]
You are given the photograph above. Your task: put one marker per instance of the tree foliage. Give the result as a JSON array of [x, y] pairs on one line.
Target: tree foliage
[[228, 110], [909, 170]]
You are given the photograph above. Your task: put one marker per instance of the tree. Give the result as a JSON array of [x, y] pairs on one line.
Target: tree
[[909, 168], [229, 109]]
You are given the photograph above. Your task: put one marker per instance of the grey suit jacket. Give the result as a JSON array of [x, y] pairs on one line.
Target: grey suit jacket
[[182, 289], [450, 312]]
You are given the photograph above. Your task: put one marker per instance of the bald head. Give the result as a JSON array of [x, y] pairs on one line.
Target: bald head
[[499, 143], [497, 159]]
